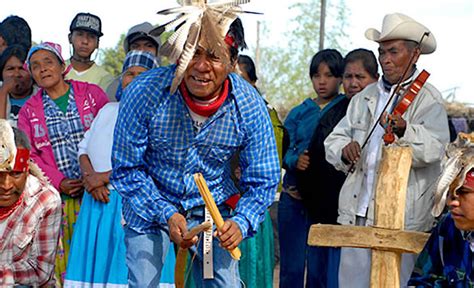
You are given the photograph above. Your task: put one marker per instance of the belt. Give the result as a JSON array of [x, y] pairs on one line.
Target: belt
[[198, 211]]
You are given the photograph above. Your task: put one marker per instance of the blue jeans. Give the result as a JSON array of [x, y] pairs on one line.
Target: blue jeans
[[146, 255], [322, 262], [323, 267], [293, 227], [226, 269]]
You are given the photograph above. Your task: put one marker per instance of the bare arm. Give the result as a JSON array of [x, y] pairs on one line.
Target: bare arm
[[93, 181]]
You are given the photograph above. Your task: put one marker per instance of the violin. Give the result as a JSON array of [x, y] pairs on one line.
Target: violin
[[405, 102]]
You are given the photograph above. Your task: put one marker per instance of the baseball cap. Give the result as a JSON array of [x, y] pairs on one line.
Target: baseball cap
[[87, 22], [140, 31]]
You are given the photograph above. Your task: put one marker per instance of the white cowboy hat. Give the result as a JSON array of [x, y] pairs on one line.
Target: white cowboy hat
[[398, 26]]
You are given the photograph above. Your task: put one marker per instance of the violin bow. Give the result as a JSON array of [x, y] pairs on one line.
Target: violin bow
[[395, 92]]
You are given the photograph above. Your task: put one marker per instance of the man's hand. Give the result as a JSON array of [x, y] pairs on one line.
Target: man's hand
[[303, 161], [100, 194], [351, 153], [71, 187], [9, 83], [178, 227], [399, 125], [230, 235]]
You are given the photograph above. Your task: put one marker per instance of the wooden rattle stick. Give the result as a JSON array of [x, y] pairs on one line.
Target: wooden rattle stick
[[212, 207]]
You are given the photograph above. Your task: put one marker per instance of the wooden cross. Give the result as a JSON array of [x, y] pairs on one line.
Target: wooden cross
[[386, 238]]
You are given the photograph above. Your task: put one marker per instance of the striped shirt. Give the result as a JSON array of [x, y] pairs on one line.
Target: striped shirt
[[156, 151], [30, 237]]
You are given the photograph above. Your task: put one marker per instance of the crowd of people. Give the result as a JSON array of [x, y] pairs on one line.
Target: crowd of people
[[97, 173]]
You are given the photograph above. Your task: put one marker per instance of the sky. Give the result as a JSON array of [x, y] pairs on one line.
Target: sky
[[450, 21]]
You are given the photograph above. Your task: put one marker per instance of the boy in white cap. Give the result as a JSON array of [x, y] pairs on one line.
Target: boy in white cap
[[138, 39], [423, 127]]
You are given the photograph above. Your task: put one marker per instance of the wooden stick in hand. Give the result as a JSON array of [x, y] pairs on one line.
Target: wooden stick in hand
[[212, 207]]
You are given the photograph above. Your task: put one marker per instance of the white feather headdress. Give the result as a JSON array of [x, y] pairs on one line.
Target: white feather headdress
[[200, 23], [7, 146], [458, 161]]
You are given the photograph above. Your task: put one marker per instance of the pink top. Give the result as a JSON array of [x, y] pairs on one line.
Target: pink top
[[31, 119]]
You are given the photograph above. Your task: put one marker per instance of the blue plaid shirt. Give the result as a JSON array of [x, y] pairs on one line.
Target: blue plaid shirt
[[65, 132], [156, 151]]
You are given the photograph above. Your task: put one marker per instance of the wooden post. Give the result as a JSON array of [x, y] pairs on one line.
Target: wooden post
[[391, 189], [390, 202], [322, 25], [257, 48], [387, 238]]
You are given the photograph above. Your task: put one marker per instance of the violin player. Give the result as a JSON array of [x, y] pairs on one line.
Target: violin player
[[355, 143]]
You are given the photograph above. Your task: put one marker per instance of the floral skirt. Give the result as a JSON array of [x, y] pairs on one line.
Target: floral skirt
[[71, 208]]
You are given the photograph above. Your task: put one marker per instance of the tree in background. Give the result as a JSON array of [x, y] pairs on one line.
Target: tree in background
[[284, 69], [112, 58]]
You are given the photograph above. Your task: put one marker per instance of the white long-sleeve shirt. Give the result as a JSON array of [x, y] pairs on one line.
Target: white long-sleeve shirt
[[98, 140]]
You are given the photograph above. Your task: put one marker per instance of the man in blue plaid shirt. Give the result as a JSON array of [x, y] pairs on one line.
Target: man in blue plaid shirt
[[163, 137]]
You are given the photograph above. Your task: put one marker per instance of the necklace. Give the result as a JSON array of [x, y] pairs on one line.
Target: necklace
[[7, 211]]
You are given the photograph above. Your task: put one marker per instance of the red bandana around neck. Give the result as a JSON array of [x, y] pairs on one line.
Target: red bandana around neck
[[7, 211], [207, 109]]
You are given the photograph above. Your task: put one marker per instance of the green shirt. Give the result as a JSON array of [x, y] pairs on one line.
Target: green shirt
[[62, 101]]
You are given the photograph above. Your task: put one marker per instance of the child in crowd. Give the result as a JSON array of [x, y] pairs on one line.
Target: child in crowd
[[293, 220]]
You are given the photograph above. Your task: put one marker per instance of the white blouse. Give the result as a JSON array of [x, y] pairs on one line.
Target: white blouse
[[98, 140]]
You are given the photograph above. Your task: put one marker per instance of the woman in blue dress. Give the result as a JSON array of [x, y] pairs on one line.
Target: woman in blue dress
[[97, 256]]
